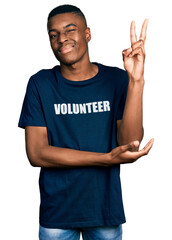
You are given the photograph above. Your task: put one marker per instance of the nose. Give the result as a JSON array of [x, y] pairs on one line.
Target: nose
[[62, 37]]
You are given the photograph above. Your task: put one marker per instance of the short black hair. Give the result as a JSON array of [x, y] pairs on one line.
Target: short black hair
[[66, 8]]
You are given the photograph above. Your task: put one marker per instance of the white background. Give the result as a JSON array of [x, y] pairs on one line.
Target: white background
[[25, 49]]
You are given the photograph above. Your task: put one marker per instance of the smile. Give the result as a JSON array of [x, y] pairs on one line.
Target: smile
[[65, 49]]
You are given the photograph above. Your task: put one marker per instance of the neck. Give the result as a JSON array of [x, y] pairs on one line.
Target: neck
[[79, 71]]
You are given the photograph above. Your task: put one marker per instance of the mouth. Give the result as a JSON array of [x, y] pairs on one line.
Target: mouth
[[65, 49]]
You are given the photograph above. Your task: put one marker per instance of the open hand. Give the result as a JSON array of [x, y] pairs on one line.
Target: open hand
[[124, 154], [134, 57]]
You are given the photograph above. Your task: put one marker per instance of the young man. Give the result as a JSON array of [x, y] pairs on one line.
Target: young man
[[82, 120]]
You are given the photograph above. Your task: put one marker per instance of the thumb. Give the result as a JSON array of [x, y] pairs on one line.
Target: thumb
[[130, 146]]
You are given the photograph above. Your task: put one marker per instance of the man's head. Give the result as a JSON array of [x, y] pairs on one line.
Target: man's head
[[69, 34], [67, 9]]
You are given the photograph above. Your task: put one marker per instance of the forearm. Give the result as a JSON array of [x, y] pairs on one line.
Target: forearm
[[41, 154], [55, 157], [50, 156], [131, 127]]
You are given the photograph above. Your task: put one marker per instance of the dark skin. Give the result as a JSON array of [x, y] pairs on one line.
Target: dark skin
[[69, 32], [69, 37]]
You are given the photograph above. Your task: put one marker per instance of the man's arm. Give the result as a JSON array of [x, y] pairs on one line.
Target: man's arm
[[40, 154], [131, 126]]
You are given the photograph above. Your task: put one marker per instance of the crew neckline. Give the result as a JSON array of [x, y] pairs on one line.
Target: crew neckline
[[82, 82]]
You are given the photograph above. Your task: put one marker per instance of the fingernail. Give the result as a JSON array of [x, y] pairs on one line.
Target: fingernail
[[129, 50], [136, 143]]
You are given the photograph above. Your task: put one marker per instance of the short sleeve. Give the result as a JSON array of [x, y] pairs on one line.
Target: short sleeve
[[32, 111], [123, 96]]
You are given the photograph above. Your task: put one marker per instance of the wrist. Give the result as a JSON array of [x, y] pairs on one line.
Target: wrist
[[140, 80], [136, 83], [108, 158]]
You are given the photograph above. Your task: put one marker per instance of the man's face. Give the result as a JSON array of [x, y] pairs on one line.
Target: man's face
[[69, 37]]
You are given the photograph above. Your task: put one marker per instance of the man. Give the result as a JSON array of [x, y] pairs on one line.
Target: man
[[82, 120]]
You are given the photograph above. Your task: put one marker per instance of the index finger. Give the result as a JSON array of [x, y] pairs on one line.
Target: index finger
[[142, 152], [143, 30], [133, 37], [147, 148]]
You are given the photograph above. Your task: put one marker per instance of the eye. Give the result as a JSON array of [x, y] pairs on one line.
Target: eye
[[53, 36], [71, 30]]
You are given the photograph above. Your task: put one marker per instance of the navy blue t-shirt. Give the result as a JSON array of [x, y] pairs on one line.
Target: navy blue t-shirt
[[80, 115]]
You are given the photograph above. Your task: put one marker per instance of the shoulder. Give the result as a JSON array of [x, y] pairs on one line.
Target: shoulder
[[113, 69], [115, 72], [44, 74], [43, 77]]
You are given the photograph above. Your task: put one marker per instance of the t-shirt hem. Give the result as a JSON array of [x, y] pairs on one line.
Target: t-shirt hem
[[106, 223], [23, 125]]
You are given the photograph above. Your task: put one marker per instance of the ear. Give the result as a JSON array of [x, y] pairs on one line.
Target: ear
[[88, 34]]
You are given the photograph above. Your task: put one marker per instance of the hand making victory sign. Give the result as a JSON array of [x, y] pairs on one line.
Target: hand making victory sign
[[131, 126], [134, 56]]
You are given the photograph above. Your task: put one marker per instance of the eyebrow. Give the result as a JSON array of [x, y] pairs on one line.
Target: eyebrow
[[71, 24]]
